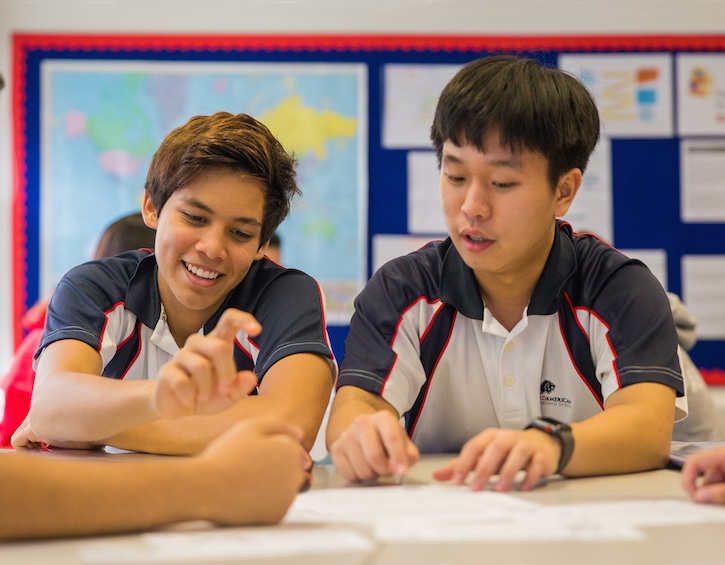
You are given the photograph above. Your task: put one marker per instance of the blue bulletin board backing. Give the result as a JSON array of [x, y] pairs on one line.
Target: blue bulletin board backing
[[645, 172]]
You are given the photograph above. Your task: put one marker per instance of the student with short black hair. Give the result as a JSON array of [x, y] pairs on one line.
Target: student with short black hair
[[515, 343], [250, 474]]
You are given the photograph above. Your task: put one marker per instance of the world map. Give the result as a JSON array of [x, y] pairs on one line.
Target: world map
[[101, 124]]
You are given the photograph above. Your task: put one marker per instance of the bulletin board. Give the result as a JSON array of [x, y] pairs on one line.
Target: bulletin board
[[648, 210]]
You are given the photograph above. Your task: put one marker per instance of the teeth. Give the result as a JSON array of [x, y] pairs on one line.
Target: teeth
[[201, 272], [476, 239]]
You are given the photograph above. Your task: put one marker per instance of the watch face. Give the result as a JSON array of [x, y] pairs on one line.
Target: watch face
[[549, 425], [554, 425]]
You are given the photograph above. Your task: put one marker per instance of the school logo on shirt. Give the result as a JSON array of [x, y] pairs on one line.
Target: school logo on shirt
[[547, 387]]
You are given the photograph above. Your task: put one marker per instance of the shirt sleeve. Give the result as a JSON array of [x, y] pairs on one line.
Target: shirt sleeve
[[382, 349], [633, 333], [292, 313]]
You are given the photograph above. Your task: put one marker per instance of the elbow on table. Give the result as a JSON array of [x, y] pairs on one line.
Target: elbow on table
[[652, 454]]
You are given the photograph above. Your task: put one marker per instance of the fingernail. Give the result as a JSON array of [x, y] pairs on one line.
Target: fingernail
[[702, 495]]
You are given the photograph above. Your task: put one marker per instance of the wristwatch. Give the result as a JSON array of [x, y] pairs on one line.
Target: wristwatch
[[560, 431]]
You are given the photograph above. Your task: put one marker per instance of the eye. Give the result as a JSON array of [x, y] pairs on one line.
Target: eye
[[504, 184], [192, 219], [454, 179], [242, 236]]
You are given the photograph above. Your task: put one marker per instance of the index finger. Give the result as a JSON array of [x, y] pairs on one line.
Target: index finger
[[458, 468], [232, 320], [395, 441]]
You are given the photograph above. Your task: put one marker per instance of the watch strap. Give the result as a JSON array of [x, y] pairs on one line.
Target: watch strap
[[562, 432]]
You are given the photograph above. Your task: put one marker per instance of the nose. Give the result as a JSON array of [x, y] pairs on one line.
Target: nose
[[211, 243], [476, 201]]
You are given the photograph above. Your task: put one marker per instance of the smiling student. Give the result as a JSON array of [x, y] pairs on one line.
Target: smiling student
[[216, 190], [516, 343], [249, 475]]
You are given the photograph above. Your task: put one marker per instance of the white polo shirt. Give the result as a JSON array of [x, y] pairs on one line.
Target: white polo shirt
[[114, 306], [422, 338]]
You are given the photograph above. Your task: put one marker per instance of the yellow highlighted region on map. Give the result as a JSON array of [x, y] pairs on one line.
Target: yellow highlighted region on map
[[304, 130]]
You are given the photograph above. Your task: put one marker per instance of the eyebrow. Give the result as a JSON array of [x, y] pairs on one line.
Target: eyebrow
[[241, 220], [512, 162]]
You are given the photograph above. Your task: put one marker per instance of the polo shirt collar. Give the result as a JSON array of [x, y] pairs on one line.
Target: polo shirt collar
[[460, 288], [559, 268], [142, 296]]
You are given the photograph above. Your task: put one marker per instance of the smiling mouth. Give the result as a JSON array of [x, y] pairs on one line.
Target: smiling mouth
[[201, 273]]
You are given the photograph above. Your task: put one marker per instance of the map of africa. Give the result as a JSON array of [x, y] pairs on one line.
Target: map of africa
[[102, 122]]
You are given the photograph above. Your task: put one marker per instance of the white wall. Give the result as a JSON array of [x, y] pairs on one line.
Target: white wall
[[449, 17]]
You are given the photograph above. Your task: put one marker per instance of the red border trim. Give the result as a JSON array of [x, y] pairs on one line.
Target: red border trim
[[23, 42], [714, 377], [367, 42], [19, 211]]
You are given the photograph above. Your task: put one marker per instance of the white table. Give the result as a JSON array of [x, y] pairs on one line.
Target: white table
[[682, 544]]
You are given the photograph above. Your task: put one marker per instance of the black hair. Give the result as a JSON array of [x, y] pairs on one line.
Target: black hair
[[529, 106]]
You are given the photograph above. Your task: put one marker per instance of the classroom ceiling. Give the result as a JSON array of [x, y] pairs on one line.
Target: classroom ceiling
[[381, 16]]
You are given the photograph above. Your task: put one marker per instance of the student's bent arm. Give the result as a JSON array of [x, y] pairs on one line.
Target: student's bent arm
[[632, 434], [297, 389], [248, 476], [201, 379], [365, 438], [73, 403]]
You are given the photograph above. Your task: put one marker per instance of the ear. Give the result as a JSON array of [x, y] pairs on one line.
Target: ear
[[262, 251], [148, 210], [566, 190]]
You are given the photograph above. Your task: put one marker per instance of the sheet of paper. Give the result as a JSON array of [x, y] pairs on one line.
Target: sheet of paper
[[370, 504], [702, 172], [445, 513], [390, 246], [354, 520], [414, 512], [591, 210], [633, 91], [644, 513], [700, 93], [228, 544], [410, 96], [703, 291], [655, 259], [424, 204]]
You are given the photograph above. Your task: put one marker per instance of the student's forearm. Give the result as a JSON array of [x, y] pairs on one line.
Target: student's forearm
[[341, 417], [598, 452], [54, 497], [349, 403], [181, 436], [622, 439], [190, 435], [79, 407]]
